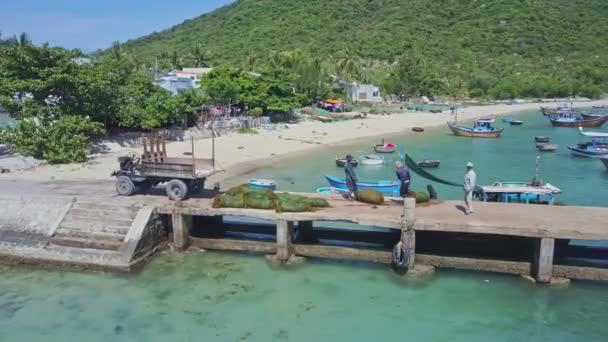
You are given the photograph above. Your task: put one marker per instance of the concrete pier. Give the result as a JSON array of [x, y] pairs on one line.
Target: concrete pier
[[284, 236], [543, 260], [182, 226]]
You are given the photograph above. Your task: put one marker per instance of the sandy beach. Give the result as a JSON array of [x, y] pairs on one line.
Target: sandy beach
[[238, 153]]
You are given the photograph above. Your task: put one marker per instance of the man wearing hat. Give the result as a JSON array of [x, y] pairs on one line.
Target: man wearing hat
[[469, 185], [351, 178]]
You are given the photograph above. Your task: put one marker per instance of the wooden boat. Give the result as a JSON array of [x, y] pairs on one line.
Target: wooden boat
[[342, 161], [483, 128], [262, 184], [546, 147], [387, 187], [418, 129], [597, 147], [542, 139], [428, 163], [385, 148], [605, 162], [554, 110], [516, 123], [519, 192], [591, 116], [600, 106], [371, 159], [572, 120]]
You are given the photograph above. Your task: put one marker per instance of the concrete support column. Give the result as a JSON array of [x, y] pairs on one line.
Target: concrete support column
[[284, 234], [182, 225], [543, 260], [408, 234]]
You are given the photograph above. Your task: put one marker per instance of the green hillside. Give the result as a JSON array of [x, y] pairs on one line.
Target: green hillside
[[472, 44]]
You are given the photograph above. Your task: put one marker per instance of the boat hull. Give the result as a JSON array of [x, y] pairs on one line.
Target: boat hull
[[546, 147], [386, 187], [542, 139], [262, 184], [592, 116], [371, 161], [579, 123], [462, 131], [341, 162], [516, 123], [605, 162], [429, 163], [384, 149], [581, 152]]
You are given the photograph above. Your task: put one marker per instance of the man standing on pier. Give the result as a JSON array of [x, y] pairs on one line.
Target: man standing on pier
[[351, 178], [469, 185], [403, 174]]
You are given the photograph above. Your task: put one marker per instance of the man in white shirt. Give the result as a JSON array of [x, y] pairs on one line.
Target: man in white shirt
[[470, 179]]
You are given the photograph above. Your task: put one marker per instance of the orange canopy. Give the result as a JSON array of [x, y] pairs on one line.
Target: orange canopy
[[333, 101]]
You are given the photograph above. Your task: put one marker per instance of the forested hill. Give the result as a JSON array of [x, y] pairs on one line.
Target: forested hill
[[457, 39]]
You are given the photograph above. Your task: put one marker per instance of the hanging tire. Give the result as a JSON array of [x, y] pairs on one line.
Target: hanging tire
[[176, 190], [401, 259], [125, 186]]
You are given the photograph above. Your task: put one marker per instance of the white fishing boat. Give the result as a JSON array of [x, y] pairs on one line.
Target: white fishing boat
[[371, 159]]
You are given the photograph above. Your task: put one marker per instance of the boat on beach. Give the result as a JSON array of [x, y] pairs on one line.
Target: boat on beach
[[483, 128], [385, 148], [542, 139], [387, 187], [574, 120], [371, 159], [262, 184], [546, 147], [429, 163], [340, 162], [597, 147]]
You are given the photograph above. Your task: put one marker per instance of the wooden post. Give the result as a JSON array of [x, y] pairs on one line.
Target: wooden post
[[543, 260], [182, 225], [284, 233], [408, 234]]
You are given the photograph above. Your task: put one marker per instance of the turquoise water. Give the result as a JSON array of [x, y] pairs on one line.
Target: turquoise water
[[583, 181], [225, 297]]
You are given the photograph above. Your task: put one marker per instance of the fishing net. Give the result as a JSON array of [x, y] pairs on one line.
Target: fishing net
[[420, 196], [259, 199], [424, 174], [370, 196], [318, 203], [229, 201], [239, 189], [288, 203]]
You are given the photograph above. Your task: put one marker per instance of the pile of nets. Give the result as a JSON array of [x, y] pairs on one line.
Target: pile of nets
[[370, 196], [243, 197], [421, 197]]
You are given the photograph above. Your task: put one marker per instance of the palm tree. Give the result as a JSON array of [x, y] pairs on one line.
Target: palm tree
[[200, 58], [117, 50], [250, 60], [176, 59], [348, 65]]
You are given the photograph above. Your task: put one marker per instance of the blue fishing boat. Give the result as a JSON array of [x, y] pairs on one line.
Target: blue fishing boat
[[262, 184], [387, 187], [597, 147], [483, 128]]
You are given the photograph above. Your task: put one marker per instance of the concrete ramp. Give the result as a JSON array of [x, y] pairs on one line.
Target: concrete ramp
[[33, 215]]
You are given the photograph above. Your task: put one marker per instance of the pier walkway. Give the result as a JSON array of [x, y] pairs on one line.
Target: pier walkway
[[124, 230]]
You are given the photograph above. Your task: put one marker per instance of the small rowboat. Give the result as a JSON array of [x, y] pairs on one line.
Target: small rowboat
[[386, 187], [262, 184], [483, 128], [385, 148], [340, 162], [428, 163], [546, 147], [542, 139], [592, 116], [600, 106], [331, 191], [418, 129], [605, 162], [516, 123], [371, 159]]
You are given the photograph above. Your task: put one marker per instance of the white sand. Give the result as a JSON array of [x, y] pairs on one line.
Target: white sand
[[252, 151]]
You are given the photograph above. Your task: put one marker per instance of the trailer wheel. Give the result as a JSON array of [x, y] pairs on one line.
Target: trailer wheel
[[125, 186], [176, 189]]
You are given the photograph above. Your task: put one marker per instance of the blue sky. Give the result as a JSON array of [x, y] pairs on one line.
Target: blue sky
[[93, 24]]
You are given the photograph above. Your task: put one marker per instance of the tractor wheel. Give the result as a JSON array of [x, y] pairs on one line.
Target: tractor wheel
[[125, 186], [176, 190]]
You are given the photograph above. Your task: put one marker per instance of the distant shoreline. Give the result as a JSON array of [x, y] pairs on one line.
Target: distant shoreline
[[239, 154]]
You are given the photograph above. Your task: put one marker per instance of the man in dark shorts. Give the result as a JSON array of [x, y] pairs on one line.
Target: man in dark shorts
[[403, 174], [351, 177]]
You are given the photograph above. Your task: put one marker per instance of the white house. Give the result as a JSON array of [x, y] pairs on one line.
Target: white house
[[179, 80], [363, 92]]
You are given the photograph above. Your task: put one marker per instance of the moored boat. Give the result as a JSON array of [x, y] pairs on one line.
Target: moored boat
[[387, 187], [600, 106], [519, 192], [371, 159], [591, 116], [554, 110], [572, 120], [385, 148], [597, 147], [483, 128], [340, 162], [546, 147], [428, 163], [516, 123], [262, 184], [542, 139]]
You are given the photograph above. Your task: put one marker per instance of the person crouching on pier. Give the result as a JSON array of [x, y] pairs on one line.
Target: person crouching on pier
[[469, 186], [351, 178], [403, 174]]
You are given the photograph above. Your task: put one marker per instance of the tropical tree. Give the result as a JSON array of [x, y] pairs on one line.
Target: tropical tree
[[116, 50], [199, 57], [348, 65]]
